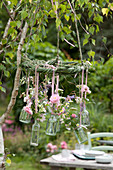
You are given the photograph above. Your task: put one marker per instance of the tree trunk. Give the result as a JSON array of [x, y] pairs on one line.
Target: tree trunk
[[16, 86]]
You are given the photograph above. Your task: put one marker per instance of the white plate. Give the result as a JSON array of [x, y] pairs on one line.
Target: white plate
[[104, 159], [94, 153]]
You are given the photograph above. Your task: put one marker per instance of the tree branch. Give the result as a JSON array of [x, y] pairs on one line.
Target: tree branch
[[78, 36], [17, 76]]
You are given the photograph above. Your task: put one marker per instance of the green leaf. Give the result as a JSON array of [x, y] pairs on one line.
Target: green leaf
[[93, 41], [2, 67], [78, 16], [58, 22], [98, 18], [18, 24], [24, 14], [91, 30], [90, 13], [66, 17], [63, 8], [13, 23], [87, 36], [85, 41], [10, 54], [91, 53], [6, 73], [104, 40], [97, 29], [81, 2], [4, 41], [14, 2], [2, 89], [67, 30], [105, 11], [8, 61]]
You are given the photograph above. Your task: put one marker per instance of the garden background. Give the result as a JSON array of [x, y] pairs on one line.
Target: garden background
[[96, 19]]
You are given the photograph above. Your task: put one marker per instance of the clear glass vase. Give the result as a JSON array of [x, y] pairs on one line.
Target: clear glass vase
[[25, 117], [35, 134], [58, 126], [51, 127], [80, 135], [85, 118]]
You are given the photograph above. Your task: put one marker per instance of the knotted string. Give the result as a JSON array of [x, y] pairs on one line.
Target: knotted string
[[86, 80], [81, 104], [57, 85], [53, 81], [36, 88], [27, 91]]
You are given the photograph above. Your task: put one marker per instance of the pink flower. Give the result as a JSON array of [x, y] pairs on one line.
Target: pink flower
[[51, 148], [9, 121], [28, 110], [47, 150], [49, 145], [74, 115], [63, 145], [54, 98], [85, 89], [54, 147]]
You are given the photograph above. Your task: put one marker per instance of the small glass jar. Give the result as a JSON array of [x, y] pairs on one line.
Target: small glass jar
[[25, 117], [51, 127], [58, 125], [85, 118], [80, 135], [35, 134]]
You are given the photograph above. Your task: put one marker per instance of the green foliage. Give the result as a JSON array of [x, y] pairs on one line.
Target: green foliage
[[101, 83], [100, 120]]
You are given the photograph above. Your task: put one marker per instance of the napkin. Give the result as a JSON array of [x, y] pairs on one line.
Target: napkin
[[64, 159]]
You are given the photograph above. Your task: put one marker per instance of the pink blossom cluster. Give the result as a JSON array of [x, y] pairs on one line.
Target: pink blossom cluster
[[85, 88], [55, 98], [74, 115], [28, 110], [63, 145], [51, 148]]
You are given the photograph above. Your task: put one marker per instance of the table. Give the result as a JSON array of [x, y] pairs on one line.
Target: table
[[86, 164]]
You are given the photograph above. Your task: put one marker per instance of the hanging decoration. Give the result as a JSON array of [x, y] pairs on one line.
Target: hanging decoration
[[58, 110], [51, 127], [85, 113], [26, 112], [36, 125]]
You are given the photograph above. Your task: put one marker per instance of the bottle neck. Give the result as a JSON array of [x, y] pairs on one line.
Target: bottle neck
[[36, 121]]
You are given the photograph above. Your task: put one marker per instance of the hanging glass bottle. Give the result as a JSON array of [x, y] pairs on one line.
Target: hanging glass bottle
[[80, 135], [85, 117], [58, 126], [35, 134], [25, 115], [51, 127]]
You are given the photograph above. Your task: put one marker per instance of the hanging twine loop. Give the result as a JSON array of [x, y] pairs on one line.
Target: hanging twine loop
[[36, 88], [53, 81], [27, 91], [81, 104]]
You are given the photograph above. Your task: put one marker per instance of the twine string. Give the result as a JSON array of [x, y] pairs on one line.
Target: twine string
[[81, 104], [27, 91], [36, 88], [53, 81]]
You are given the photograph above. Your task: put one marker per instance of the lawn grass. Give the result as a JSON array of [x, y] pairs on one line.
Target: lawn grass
[[28, 163], [25, 163]]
